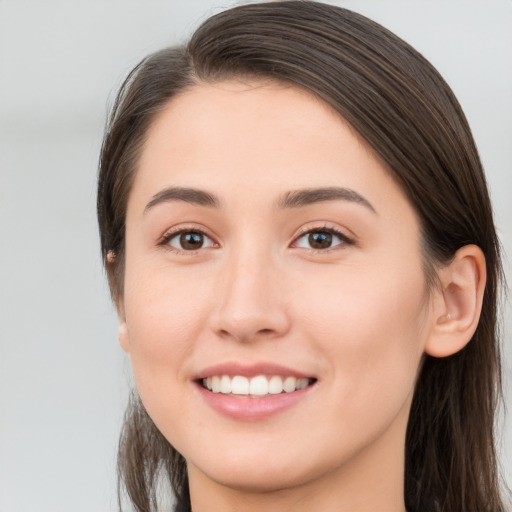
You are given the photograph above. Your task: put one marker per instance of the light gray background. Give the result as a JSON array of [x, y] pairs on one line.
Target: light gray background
[[63, 378]]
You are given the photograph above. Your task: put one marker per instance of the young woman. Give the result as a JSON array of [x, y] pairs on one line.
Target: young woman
[[300, 245]]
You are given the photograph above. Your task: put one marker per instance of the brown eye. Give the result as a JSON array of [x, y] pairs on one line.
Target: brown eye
[[190, 241], [320, 239]]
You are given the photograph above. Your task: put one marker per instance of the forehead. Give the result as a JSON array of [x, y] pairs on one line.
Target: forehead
[[249, 129], [252, 97]]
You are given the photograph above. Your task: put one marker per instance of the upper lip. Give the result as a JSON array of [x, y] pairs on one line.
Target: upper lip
[[250, 370]]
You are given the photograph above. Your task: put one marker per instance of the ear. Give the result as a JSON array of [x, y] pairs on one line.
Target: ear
[[123, 335], [458, 302]]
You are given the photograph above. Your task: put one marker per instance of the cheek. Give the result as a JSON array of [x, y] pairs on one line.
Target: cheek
[[372, 330], [165, 314]]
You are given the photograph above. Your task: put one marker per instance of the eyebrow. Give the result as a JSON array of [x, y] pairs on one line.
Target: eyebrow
[[292, 199], [304, 197], [188, 195]]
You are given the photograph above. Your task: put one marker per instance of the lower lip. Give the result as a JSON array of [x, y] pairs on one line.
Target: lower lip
[[252, 409]]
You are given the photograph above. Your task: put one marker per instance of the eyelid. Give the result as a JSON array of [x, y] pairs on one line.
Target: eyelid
[[170, 233], [326, 227], [303, 230]]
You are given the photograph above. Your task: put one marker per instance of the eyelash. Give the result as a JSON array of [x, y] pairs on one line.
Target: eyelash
[[344, 239], [169, 235]]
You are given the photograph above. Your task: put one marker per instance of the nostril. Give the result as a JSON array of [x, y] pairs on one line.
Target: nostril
[[250, 322]]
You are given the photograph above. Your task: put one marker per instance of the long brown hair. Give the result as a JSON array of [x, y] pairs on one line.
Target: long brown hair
[[407, 113]]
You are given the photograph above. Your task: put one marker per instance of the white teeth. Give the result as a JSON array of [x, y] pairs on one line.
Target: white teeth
[[225, 384], [275, 385], [259, 386], [240, 385], [302, 383], [256, 386], [215, 384], [289, 384]]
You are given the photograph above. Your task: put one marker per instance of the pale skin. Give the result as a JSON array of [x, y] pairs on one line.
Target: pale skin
[[353, 314]]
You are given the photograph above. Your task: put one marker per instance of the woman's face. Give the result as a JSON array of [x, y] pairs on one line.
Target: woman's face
[[267, 247]]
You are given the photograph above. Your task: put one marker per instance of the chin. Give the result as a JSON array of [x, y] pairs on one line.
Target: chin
[[256, 480], [265, 470]]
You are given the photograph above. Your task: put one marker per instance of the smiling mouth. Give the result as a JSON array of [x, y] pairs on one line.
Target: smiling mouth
[[258, 386]]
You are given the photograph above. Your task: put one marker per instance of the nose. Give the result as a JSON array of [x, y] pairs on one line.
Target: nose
[[251, 303]]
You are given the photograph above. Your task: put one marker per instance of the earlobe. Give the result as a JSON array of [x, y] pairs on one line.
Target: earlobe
[[458, 303], [124, 339], [123, 328]]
